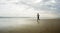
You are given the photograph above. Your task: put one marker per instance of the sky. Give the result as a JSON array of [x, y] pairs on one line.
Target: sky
[[29, 8]]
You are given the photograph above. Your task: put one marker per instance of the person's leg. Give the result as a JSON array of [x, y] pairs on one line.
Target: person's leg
[[37, 19]]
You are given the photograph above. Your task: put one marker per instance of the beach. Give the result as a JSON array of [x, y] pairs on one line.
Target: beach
[[29, 25]]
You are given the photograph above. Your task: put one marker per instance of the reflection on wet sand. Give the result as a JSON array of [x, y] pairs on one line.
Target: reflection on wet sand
[[31, 26]]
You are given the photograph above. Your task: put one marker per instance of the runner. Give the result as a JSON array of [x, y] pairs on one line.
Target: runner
[[38, 17]]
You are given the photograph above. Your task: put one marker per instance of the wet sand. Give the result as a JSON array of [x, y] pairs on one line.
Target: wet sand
[[32, 26]]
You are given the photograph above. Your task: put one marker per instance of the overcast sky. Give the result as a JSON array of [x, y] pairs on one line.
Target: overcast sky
[[29, 8]]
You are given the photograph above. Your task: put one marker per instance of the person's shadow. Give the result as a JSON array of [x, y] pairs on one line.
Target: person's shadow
[[38, 21]]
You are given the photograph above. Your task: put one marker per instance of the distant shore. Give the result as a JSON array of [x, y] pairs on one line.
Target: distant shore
[[15, 17]]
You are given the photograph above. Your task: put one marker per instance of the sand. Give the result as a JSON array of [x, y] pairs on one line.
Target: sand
[[32, 26]]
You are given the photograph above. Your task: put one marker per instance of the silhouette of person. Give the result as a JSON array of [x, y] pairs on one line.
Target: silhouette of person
[[38, 17]]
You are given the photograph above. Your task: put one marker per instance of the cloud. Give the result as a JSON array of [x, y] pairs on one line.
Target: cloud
[[50, 6], [46, 8]]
